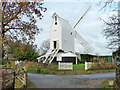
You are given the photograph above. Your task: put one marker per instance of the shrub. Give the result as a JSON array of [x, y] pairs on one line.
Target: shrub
[[102, 66]]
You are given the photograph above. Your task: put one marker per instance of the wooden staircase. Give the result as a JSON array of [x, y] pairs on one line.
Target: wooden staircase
[[51, 56]]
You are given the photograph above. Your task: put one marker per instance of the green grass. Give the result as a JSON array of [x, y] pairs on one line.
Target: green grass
[[106, 84], [32, 69], [18, 84], [30, 84], [79, 67]]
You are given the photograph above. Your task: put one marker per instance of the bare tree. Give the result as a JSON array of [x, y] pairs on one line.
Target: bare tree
[[112, 32], [44, 47], [111, 29]]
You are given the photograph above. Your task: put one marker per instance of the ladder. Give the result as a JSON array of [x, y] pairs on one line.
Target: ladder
[[51, 56]]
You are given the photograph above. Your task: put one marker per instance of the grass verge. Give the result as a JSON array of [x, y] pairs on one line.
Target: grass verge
[[18, 84], [53, 69], [106, 84]]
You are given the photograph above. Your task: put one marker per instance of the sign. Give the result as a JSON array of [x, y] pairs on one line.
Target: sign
[[65, 66]]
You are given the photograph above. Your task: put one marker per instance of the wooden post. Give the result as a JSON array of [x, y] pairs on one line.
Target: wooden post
[[14, 80], [116, 75], [3, 80], [119, 77], [25, 77]]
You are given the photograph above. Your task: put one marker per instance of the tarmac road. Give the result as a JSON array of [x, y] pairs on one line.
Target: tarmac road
[[70, 81]]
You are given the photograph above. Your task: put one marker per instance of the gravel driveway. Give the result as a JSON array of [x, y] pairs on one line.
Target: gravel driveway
[[70, 81]]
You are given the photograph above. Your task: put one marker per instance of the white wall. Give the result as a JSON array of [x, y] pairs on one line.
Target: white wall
[[67, 38], [62, 32], [55, 34]]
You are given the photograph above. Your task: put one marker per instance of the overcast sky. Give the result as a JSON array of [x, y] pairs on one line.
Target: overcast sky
[[90, 27]]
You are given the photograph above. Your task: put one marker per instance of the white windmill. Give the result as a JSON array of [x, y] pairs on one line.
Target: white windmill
[[62, 41]]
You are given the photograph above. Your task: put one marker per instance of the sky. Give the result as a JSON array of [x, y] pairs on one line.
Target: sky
[[90, 27]]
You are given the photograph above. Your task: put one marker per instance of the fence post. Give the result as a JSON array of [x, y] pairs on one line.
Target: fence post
[[25, 77], [3, 80], [119, 75], [116, 74], [14, 80]]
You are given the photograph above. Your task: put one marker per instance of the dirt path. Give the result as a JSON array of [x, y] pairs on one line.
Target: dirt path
[[69, 81]]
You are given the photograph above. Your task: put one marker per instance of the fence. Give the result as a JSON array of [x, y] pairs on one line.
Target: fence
[[65, 66], [18, 73], [118, 75], [8, 83], [21, 74]]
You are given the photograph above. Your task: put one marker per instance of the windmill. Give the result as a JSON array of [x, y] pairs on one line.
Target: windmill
[[62, 41]]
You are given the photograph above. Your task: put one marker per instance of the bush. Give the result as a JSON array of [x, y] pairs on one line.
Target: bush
[[102, 66]]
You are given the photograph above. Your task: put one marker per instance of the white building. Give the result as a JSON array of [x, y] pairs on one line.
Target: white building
[[62, 42]]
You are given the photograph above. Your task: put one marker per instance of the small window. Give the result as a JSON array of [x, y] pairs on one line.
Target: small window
[[55, 23], [71, 33], [55, 18]]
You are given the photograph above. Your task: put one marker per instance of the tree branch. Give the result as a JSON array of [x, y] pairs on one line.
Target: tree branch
[[13, 17]]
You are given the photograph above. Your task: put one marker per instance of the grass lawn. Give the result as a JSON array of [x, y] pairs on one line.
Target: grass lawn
[[79, 67], [106, 84]]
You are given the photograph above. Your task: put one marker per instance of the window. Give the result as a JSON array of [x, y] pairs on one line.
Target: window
[[71, 33], [55, 23], [55, 18]]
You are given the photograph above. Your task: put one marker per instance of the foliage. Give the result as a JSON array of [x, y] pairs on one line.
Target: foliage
[[18, 21], [93, 58], [26, 52], [85, 57], [102, 66], [117, 52], [12, 13]]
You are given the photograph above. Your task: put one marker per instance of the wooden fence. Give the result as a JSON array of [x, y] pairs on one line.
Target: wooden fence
[[21, 74], [118, 75], [18, 73], [7, 81]]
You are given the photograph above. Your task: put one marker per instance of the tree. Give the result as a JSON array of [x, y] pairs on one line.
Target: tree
[[44, 47], [112, 32], [26, 52], [14, 27], [112, 27]]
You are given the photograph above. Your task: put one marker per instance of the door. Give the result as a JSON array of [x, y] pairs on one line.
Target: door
[[55, 44]]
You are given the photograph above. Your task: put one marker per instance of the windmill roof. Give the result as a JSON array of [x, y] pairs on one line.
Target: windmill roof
[[55, 14]]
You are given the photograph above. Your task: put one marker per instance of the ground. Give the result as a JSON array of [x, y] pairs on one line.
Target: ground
[[70, 81]]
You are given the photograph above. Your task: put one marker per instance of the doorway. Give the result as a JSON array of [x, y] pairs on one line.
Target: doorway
[[55, 44]]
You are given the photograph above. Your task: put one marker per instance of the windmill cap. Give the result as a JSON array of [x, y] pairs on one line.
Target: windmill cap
[[55, 14]]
